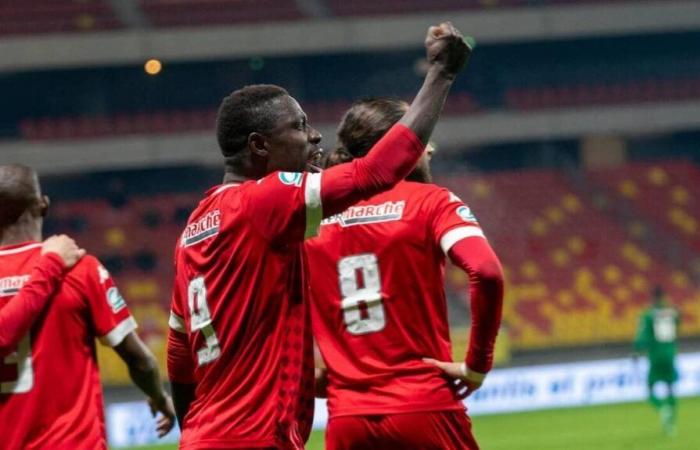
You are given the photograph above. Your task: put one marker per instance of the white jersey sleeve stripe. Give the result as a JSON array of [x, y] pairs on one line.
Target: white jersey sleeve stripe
[[118, 333], [457, 234], [177, 323], [314, 209]]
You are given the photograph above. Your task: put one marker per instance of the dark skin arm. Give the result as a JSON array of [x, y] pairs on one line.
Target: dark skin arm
[[143, 370], [183, 395], [447, 53]]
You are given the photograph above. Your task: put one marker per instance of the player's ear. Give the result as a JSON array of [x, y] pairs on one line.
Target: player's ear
[[44, 205], [257, 144]]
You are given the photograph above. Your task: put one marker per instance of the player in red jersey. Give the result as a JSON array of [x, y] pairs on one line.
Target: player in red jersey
[[52, 307], [240, 350], [379, 311]]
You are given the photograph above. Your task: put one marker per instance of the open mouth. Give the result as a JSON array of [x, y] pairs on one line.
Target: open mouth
[[313, 164]]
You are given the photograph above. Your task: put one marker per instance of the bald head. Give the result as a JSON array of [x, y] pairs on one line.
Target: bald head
[[19, 193]]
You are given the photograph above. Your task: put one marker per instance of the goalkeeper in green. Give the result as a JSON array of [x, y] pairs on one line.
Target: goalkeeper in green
[[656, 336]]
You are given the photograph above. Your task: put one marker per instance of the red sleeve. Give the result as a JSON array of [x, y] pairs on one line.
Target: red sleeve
[[109, 314], [476, 257], [450, 219], [181, 365], [290, 205], [280, 205], [389, 161], [18, 315]]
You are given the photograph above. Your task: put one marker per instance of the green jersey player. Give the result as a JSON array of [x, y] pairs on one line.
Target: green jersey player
[[656, 336]]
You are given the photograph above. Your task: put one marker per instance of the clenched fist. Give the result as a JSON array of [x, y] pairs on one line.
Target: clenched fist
[[447, 49]]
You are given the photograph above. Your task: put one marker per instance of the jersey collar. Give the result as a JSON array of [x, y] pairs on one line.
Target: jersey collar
[[18, 248]]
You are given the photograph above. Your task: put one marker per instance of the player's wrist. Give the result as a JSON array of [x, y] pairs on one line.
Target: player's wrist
[[472, 375], [439, 70]]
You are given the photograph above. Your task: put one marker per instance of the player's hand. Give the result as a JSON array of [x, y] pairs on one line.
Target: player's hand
[[65, 248], [465, 381], [165, 407], [446, 49], [320, 382]]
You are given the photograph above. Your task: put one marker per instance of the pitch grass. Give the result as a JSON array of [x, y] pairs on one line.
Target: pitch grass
[[631, 426]]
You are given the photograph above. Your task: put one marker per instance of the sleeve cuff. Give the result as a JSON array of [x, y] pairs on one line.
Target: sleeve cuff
[[314, 208], [416, 144], [472, 375], [118, 333], [457, 234]]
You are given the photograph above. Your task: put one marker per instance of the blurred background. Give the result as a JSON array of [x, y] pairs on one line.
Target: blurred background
[[574, 135]]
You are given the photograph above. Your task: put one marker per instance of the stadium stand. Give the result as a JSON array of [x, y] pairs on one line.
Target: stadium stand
[[166, 13], [575, 275], [56, 16], [19, 17]]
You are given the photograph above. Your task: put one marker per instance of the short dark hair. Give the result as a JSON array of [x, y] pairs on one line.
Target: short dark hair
[[366, 122], [17, 192], [247, 110]]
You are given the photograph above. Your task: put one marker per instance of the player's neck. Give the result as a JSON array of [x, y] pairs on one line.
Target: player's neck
[[19, 233], [230, 177]]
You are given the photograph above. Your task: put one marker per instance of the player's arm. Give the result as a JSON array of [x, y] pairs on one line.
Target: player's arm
[[115, 327], [458, 233], [181, 365], [181, 373], [143, 370], [643, 336], [476, 257], [396, 154], [59, 253]]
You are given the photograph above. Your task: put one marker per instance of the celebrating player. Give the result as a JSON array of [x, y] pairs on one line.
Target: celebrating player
[[656, 336], [240, 351], [54, 302], [379, 310]]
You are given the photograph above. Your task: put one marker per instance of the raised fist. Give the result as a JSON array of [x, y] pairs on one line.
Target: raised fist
[[447, 49], [64, 247]]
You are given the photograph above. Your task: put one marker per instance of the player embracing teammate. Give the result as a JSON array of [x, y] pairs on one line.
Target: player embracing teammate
[[240, 352]]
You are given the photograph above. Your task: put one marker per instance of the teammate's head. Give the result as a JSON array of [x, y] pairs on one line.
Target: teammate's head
[[364, 124], [658, 297], [261, 128], [21, 199]]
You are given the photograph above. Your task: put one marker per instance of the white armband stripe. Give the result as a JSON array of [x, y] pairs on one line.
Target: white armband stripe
[[314, 209], [457, 234], [177, 323], [118, 333]]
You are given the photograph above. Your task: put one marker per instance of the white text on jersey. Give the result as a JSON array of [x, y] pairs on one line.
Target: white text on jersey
[[361, 215], [206, 227]]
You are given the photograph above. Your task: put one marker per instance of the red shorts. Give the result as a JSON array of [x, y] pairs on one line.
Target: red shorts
[[438, 430]]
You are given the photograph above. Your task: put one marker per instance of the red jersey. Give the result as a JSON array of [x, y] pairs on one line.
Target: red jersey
[[50, 393], [378, 301], [238, 296]]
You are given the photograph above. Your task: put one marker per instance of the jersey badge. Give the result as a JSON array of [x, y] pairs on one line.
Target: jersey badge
[[466, 214], [291, 178], [115, 300]]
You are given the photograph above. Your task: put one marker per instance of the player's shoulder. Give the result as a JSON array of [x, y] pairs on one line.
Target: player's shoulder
[[88, 268], [88, 263]]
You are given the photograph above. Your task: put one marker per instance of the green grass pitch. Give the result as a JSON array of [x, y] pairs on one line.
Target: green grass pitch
[[632, 426]]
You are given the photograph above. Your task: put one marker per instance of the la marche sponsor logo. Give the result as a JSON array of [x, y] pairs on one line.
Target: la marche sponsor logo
[[206, 227], [366, 214], [10, 286]]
